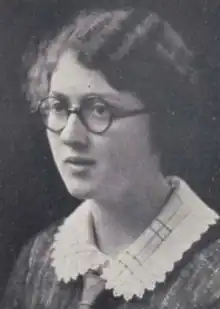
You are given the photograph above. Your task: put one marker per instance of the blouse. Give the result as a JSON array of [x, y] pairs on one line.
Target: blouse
[[174, 264]]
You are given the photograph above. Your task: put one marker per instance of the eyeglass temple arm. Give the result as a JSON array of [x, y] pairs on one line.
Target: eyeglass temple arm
[[135, 112]]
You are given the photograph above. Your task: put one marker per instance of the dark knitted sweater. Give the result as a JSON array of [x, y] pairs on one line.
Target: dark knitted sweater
[[194, 282]]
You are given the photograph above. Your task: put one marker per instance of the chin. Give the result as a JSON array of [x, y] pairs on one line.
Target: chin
[[79, 185], [79, 189]]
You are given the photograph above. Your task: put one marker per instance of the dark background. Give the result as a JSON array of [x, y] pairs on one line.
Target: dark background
[[31, 193]]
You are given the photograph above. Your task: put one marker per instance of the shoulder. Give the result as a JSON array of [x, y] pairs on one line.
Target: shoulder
[[65, 228], [35, 247], [26, 269], [200, 277], [42, 242], [207, 248]]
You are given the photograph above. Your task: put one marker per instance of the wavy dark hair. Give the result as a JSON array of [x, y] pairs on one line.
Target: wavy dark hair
[[138, 52]]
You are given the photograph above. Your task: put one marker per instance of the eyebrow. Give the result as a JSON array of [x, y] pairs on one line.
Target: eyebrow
[[67, 98], [59, 95], [112, 99]]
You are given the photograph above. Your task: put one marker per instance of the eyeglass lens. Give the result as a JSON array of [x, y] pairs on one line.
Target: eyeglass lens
[[93, 113]]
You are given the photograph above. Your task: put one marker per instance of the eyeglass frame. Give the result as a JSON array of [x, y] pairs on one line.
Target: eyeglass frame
[[77, 110]]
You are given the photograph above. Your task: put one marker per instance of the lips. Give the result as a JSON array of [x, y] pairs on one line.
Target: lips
[[79, 166], [80, 161]]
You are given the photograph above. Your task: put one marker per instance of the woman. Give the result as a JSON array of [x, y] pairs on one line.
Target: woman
[[114, 89]]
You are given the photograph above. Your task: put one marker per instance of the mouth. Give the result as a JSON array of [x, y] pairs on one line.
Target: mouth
[[80, 164]]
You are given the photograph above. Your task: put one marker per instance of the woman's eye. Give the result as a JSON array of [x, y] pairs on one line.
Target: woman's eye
[[100, 109], [56, 105]]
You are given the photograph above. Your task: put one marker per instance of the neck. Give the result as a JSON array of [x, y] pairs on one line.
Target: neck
[[117, 224]]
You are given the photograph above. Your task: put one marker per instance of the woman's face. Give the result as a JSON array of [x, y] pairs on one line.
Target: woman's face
[[99, 166]]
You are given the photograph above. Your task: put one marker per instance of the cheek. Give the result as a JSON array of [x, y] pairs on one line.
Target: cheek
[[126, 145], [55, 147]]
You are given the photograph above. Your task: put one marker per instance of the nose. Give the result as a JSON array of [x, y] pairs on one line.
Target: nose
[[74, 133]]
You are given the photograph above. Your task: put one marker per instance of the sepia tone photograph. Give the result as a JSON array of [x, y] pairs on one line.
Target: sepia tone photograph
[[110, 154]]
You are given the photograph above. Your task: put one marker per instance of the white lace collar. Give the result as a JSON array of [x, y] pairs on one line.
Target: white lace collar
[[181, 222]]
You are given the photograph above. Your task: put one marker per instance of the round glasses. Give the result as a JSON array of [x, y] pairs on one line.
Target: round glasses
[[94, 112]]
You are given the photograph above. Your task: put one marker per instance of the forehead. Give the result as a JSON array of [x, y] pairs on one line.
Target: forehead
[[71, 77]]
